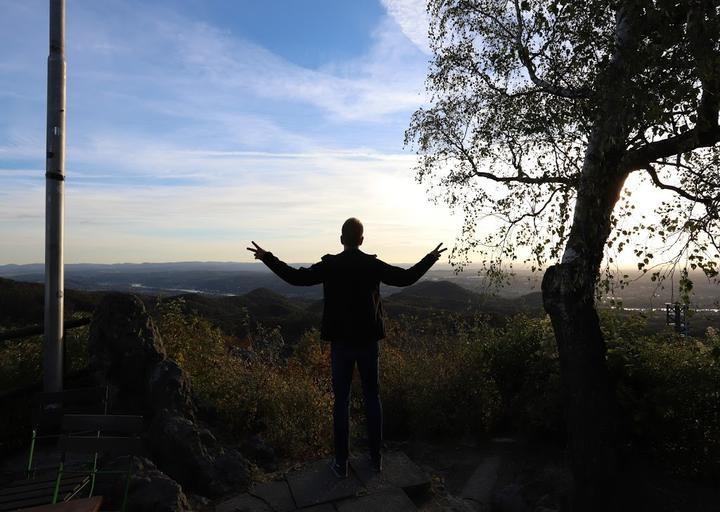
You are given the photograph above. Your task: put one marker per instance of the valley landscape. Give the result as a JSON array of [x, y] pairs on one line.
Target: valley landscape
[[555, 164], [249, 346], [220, 289]]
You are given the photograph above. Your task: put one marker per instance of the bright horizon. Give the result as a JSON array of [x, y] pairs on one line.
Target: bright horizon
[[195, 127]]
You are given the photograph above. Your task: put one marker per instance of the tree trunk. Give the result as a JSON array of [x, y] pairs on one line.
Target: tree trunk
[[569, 287], [569, 298], [588, 398]]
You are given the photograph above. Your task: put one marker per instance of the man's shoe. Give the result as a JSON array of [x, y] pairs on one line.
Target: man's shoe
[[339, 470], [376, 464]]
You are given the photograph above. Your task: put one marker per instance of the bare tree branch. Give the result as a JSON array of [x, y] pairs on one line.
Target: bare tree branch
[[520, 177], [690, 140], [535, 213], [665, 186], [526, 60], [706, 132]]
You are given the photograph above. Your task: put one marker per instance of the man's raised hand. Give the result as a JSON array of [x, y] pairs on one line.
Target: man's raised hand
[[258, 251], [437, 251]]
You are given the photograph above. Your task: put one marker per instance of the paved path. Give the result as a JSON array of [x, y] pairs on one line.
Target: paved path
[[314, 488]]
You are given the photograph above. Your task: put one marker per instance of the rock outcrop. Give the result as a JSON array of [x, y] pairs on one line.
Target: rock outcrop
[[127, 353], [149, 489], [125, 348]]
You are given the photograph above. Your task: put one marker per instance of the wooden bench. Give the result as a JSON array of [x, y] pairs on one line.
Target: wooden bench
[[81, 505], [84, 435]]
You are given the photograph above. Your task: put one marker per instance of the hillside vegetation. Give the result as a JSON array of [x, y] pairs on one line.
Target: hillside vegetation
[[445, 373]]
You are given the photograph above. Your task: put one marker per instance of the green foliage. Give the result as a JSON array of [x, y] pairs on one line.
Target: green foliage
[[471, 378], [524, 363], [441, 376], [455, 377], [253, 389], [521, 94], [668, 388], [21, 377], [436, 391], [21, 360]]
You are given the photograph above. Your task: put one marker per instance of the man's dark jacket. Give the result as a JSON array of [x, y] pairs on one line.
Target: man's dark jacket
[[352, 311]]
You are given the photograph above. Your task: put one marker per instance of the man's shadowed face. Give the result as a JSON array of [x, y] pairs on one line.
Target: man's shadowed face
[[352, 233]]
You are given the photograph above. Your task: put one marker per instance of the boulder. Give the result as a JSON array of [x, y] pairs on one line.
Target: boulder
[[192, 455], [127, 353], [169, 389], [149, 489], [124, 347], [261, 453], [152, 490]]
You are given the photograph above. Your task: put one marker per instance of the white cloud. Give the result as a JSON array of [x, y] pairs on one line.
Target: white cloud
[[295, 206], [185, 141], [388, 80], [412, 17]]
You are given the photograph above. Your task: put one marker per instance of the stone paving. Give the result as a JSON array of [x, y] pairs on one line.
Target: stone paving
[[314, 488]]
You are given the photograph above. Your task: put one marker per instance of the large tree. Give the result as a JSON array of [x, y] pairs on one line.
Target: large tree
[[539, 111]]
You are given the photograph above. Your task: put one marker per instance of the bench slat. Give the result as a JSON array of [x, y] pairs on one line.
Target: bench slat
[[112, 445], [22, 486], [42, 495], [128, 424]]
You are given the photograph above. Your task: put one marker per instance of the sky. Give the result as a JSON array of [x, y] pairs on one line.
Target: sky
[[195, 126]]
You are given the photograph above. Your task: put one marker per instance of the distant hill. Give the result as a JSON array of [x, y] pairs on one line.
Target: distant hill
[[448, 296], [231, 314], [22, 304], [234, 278], [437, 289], [295, 315]]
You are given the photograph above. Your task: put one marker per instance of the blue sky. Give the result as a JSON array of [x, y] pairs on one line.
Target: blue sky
[[195, 126]]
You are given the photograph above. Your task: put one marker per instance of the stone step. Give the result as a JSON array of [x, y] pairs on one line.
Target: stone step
[[398, 472], [479, 487], [315, 483], [243, 503], [388, 500], [276, 494], [314, 488]]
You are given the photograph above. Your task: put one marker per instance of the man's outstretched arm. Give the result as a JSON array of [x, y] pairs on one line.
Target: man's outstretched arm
[[396, 276], [295, 276]]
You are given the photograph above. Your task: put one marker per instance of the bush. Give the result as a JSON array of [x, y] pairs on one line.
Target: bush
[[668, 389], [21, 359], [523, 362], [444, 376], [433, 382], [467, 377], [253, 390], [21, 378]]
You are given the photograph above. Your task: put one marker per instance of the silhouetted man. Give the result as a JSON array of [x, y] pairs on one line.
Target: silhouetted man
[[353, 323]]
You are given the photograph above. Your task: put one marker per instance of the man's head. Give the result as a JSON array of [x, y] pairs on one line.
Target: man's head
[[352, 233]]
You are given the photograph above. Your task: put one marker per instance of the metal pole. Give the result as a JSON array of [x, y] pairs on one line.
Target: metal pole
[[54, 202]]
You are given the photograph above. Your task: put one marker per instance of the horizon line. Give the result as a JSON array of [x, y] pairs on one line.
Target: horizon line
[[470, 266]]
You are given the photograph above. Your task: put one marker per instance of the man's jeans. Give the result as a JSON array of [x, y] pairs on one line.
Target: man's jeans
[[343, 359]]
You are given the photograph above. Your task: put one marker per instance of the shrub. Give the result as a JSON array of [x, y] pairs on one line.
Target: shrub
[[21, 359], [668, 389], [523, 362], [435, 383], [21, 378], [256, 391], [445, 375]]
